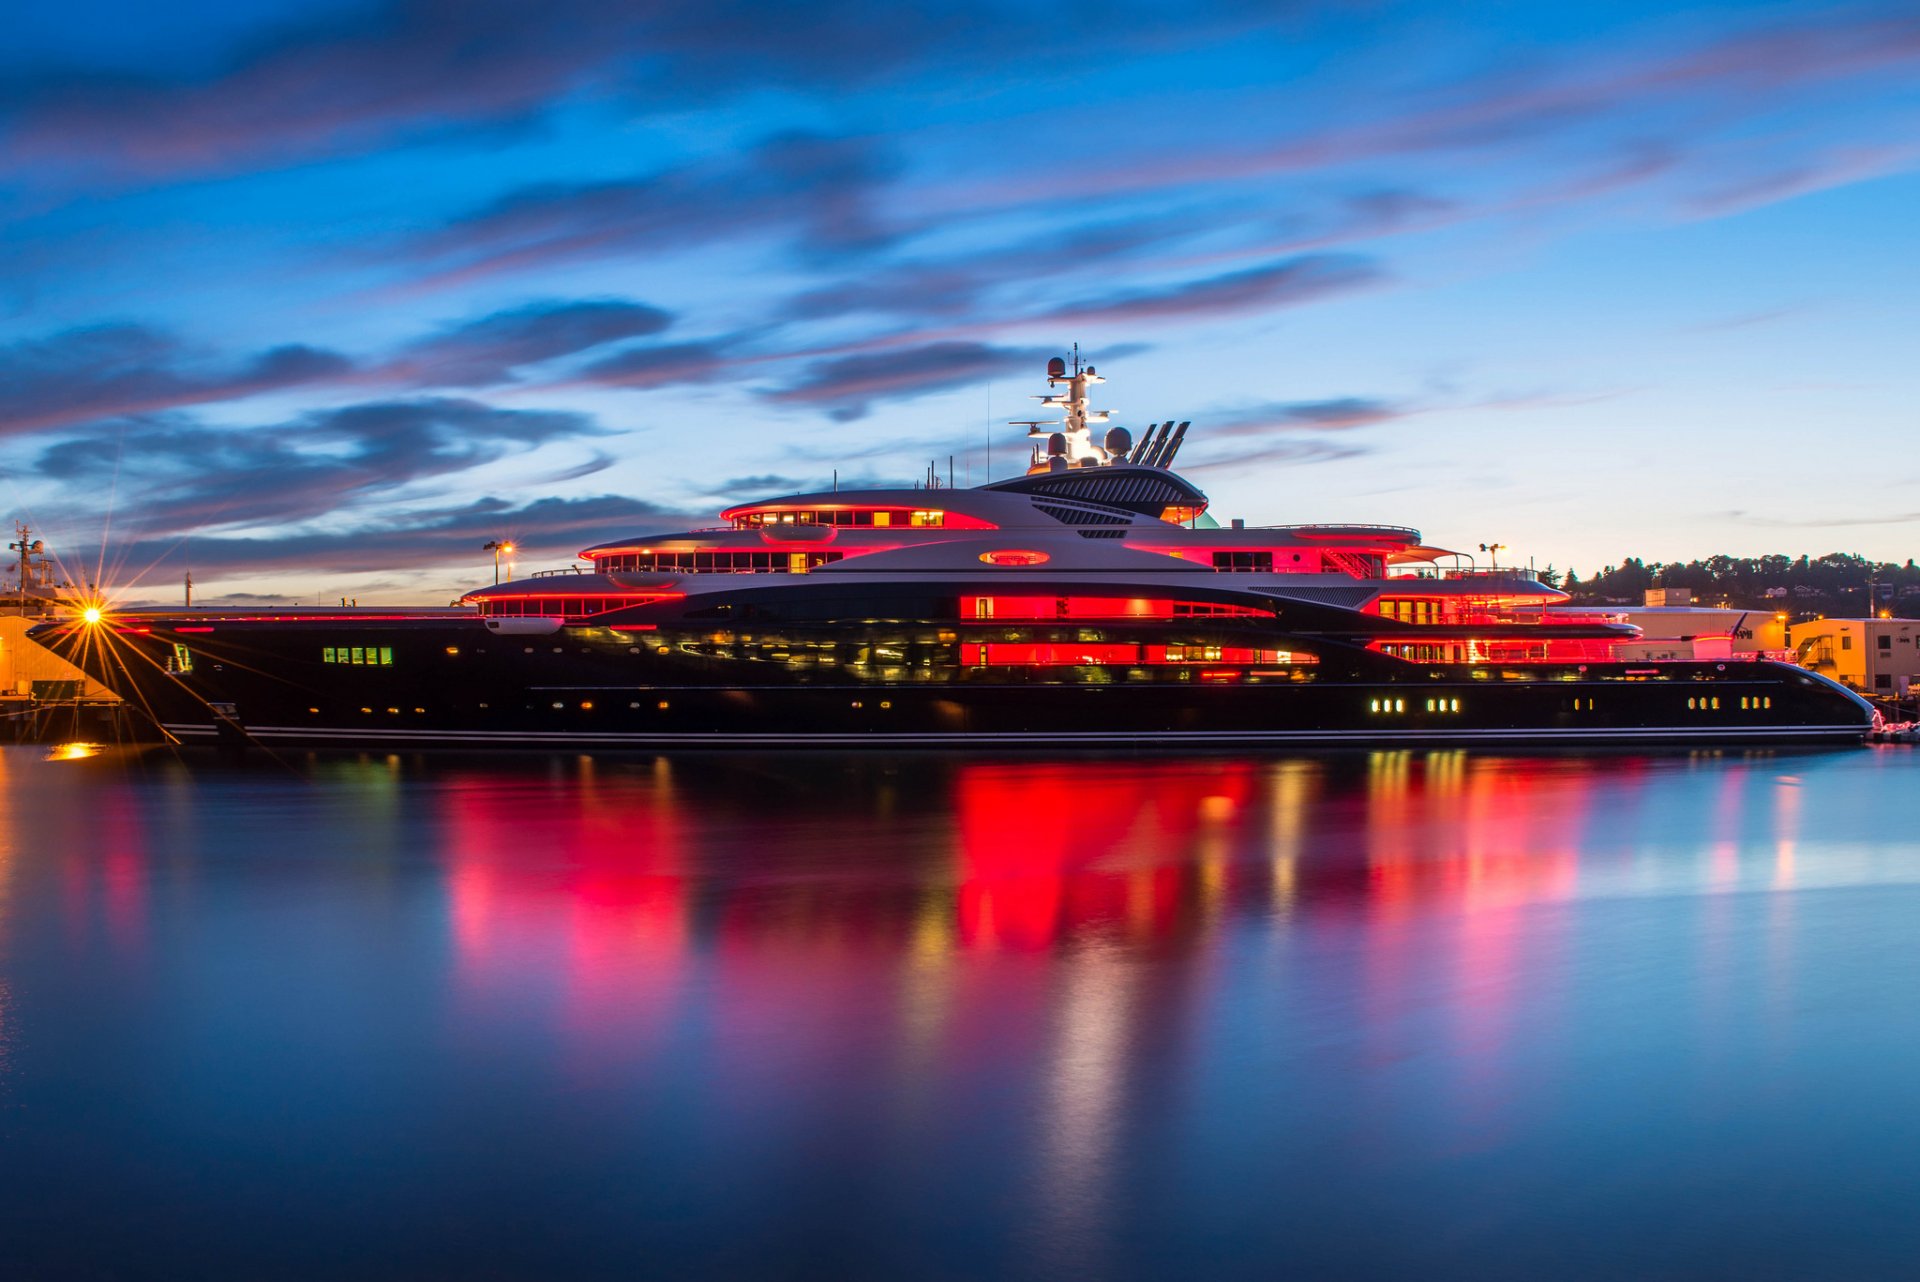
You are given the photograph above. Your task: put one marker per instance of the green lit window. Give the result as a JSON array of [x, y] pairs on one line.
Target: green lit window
[[366, 656]]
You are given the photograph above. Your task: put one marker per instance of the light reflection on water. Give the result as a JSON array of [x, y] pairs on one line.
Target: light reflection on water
[[1427, 1013]]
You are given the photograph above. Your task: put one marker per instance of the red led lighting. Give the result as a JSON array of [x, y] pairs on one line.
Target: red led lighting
[[897, 516], [1099, 607], [1056, 654], [563, 604], [1015, 557]]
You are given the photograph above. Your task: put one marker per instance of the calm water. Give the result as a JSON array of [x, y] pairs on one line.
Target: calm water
[[1415, 1014]]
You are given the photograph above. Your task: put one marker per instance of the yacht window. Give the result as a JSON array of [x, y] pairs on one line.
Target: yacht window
[[718, 561]]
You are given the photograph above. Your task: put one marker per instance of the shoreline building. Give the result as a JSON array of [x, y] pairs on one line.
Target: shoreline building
[[1672, 627], [1873, 656]]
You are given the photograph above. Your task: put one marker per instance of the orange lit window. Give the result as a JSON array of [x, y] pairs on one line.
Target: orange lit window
[[995, 654], [1101, 607]]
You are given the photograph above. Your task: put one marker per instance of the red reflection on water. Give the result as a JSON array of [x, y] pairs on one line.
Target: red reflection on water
[[1473, 832], [574, 885], [1048, 849], [103, 866], [1460, 851], [123, 873]]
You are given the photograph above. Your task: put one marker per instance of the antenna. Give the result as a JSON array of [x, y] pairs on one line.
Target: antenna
[[1174, 446], [1144, 450], [1151, 457]]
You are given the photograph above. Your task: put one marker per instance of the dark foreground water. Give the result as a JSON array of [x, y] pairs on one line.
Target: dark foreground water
[[1408, 1015]]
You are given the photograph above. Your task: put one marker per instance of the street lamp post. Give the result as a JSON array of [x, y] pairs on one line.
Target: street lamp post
[[497, 547]]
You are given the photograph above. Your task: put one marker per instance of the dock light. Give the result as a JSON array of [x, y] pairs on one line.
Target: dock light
[[91, 614], [500, 548]]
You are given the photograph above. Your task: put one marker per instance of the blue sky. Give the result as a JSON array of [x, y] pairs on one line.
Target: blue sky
[[317, 299]]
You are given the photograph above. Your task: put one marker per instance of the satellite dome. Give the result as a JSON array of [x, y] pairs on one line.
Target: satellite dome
[[1119, 441], [1057, 443], [1057, 368]]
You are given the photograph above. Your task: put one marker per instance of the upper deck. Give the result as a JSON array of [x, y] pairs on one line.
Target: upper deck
[[1107, 507]]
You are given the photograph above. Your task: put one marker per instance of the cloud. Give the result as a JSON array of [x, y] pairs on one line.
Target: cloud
[[389, 72], [1286, 453], [1837, 167], [818, 191], [1287, 433], [663, 365], [177, 474], [1341, 414], [846, 386], [1725, 79], [600, 461], [442, 537], [1822, 523], [1283, 284], [487, 351], [395, 70], [128, 370], [104, 371], [955, 286], [766, 483]]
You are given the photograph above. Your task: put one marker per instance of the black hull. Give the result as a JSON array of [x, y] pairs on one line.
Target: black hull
[[456, 684]]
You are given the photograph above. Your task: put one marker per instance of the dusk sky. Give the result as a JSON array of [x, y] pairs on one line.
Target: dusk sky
[[317, 299]]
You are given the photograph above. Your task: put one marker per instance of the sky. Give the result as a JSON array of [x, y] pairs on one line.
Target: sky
[[315, 300]]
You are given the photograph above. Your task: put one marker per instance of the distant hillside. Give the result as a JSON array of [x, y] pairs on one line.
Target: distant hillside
[[1835, 584]]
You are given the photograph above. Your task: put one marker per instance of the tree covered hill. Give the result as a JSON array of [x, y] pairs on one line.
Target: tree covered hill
[[1835, 584]]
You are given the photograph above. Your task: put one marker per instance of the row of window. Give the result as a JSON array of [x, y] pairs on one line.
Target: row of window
[[359, 655], [1265, 562], [1423, 610], [1584, 703], [1101, 607], [1427, 653], [1883, 641], [1448, 705], [514, 607], [1080, 653], [717, 562]]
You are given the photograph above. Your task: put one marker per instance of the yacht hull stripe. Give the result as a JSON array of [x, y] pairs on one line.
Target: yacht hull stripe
[[1667, 734]]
